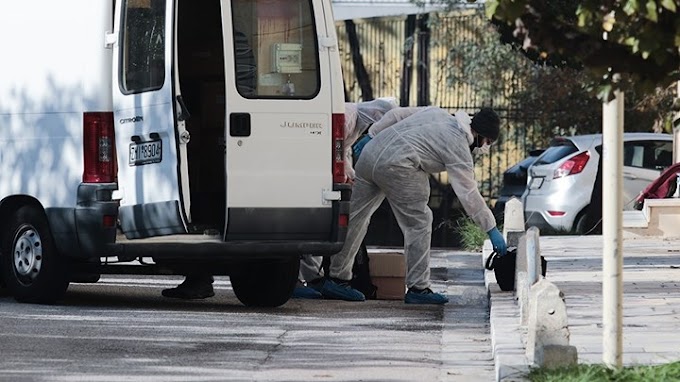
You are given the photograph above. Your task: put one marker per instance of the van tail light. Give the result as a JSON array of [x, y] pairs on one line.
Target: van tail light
[[338, 142], [98, 150], [343, 220], [573, 166]]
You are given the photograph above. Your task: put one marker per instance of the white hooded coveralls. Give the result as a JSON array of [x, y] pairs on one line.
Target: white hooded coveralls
[[358, 118], [395, 165]]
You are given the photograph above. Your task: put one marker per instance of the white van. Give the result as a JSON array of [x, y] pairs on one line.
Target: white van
[[165, 136]]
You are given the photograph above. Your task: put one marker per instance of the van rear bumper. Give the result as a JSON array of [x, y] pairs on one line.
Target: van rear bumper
[[179, 247], [80, 232]]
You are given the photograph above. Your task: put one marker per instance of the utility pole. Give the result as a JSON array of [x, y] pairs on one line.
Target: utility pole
[[612, 214]]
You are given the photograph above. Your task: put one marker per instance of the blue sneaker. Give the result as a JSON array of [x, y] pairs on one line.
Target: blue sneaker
[[306, 292], [335, 289], [424, 296]]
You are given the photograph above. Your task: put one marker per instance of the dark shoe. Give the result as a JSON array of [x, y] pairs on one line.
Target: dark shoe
[[191, 290], [336, 289], [424, 296], [316, 284], [306, 292]]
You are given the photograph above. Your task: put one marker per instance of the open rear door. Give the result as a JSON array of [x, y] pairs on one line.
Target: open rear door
[[278, 124], [150, 135]]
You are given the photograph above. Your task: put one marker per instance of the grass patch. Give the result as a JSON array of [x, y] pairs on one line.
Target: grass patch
[[601, 373], [471, 236]]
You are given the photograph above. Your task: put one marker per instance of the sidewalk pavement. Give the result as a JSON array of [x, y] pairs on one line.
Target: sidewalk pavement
[[651, 303]]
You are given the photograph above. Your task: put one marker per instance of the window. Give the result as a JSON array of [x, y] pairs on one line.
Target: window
[[276, 51], [556, 152], [633, 154], [143, 46], [663, 155], [653, 155]]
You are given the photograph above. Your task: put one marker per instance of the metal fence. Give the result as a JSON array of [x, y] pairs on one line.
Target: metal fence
[[402, 57]]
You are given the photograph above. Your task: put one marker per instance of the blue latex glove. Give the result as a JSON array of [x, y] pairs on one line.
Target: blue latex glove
[[359, 146], [498, 242]]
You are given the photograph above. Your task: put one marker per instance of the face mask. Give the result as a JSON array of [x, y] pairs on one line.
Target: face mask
[[477, 149], [485, 149]]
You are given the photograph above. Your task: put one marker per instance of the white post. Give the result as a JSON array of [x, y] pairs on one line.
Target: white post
[[513, 218], [612, 215]]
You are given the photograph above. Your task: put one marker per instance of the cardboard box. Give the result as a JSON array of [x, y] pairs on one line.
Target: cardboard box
[[388, 271]]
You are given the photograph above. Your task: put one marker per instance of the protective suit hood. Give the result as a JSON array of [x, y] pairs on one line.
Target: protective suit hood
[[464, 122]]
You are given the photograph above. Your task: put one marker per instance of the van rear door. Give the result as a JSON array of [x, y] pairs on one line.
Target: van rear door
[[278, 123], [150, 135]]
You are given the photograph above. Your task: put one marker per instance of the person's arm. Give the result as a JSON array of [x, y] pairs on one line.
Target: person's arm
[[462, 180], [391, 117]]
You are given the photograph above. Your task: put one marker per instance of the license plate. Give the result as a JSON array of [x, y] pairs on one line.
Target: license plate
[[536, 183], [145, 153]]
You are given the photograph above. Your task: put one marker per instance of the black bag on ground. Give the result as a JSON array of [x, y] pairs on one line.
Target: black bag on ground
[[504, 268]]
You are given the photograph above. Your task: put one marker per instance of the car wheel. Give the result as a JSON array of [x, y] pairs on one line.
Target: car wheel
[[267, 283], [32, 269], [584, 225]]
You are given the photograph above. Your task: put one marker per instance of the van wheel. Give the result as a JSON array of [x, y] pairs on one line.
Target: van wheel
[[32, 269], [266, 284]]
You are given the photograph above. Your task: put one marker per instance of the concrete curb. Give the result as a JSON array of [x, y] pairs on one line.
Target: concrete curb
[[507, 345]]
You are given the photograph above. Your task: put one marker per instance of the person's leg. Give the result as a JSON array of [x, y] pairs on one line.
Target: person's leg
[[309, 278], [366, 198], [408, 195], [196, 285], [310, 268]]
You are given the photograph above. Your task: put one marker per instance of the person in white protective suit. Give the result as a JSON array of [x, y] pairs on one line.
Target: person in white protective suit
[[395, 165], [358, 118]]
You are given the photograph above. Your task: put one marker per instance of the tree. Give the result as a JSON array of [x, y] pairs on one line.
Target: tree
[[555, 98], [642, 46], [637, 39]]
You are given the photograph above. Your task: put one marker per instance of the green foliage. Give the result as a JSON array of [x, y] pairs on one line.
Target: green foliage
[[480, 60], [557, 99], [642, 38], [471, 236], [599, 373], [557, 94], [560, 100]]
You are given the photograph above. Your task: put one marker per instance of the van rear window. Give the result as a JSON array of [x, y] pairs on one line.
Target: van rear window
[[143, 46], [276, 51]]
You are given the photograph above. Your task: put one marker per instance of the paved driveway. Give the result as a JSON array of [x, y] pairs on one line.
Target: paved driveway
[[120, 329]]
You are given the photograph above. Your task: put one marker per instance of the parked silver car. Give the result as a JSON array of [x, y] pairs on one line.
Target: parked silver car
[[561, 181]]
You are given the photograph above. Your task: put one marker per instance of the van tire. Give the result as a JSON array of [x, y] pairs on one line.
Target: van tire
[[266, 284], [32, 269]]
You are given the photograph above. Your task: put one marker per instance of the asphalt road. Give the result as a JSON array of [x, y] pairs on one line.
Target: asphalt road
[[121, 329]]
